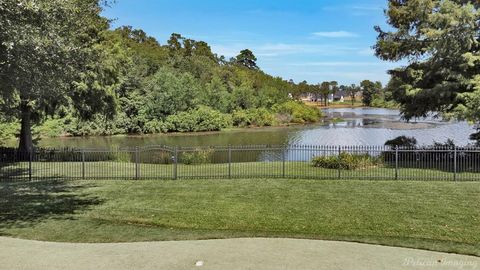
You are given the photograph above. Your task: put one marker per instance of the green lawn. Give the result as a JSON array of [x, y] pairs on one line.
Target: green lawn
[[442, 216], [127, 170]]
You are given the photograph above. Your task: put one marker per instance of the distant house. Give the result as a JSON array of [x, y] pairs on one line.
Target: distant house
[[340, 96], [310, 97]]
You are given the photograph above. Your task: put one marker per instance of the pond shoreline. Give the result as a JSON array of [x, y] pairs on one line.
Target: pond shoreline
[[339, 126], [324, 120]]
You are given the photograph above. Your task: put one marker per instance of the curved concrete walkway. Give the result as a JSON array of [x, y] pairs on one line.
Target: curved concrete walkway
[[258, 253]]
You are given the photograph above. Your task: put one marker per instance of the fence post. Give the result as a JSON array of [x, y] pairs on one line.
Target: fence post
[[339, 169], [454, 163], [83, 164], [175, 161], [229, 162], [284, 152], [30, 158], [396, 162], [137, 165]]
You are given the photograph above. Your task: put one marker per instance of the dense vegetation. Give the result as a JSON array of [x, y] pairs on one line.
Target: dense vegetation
[[441, 41], [124, 81], [54, 54], [183, 87]]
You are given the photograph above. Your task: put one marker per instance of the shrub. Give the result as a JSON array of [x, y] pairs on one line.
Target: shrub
[[95, 127], [51, 128], [253, 117], [156, 157], [201, 119], [8, 131], [197, 156], [476, 137], [170, 91], [156, 126], [346, 161], [382, 103], [402, 141], [123, 157], [298, 112]]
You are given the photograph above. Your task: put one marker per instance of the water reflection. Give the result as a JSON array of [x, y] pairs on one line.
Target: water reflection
[[358, 126]]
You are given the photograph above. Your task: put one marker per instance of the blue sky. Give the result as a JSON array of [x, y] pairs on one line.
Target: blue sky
[[320, 40]]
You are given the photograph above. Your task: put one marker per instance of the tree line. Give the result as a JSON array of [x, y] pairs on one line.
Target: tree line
[[369, 93]]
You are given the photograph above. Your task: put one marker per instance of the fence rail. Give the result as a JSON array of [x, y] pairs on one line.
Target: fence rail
[[260, 161]]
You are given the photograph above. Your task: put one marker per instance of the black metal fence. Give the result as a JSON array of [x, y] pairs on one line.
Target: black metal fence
[[255, 161]]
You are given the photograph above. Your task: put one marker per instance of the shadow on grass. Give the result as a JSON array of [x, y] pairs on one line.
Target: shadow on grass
[[23, 204]]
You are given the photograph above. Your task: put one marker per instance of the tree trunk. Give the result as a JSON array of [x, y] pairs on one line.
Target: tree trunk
[[25, 144]]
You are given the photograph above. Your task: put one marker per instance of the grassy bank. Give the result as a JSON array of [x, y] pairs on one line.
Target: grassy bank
[[442, 216]]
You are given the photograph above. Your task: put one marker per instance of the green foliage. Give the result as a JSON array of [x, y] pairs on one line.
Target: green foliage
[[197, 156], [253, 117], [370, 90], [157, 126], [201, 119], [243, 97], [216, 95], [52, 127], [269, 95], [476, 137], [95, 91], [297, 112], [122, 157], [247, 59], [156, 157], [377, 96], [46, 46], [346, 161], [380, 102], [402, 141], [147, 53], [123, 81], [8, 130], [100, 125], [170, 92], [324, 90], [440, 40]]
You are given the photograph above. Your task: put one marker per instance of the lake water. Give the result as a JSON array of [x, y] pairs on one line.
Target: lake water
[[360, 126]]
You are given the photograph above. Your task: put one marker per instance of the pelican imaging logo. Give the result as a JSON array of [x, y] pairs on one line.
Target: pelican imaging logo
[[438, 263]]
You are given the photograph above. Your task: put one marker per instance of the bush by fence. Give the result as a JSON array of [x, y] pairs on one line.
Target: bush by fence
[[346, 161]]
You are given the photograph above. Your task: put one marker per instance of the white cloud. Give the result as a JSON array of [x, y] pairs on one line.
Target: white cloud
[[335, 34], [227, 51], [366, 8], [356, 10], [346, 64], [367, 52], [279, 49], [343, 77]]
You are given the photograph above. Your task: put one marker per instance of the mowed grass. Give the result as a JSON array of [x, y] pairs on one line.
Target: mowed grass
[[305, 170], [441, 216]]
